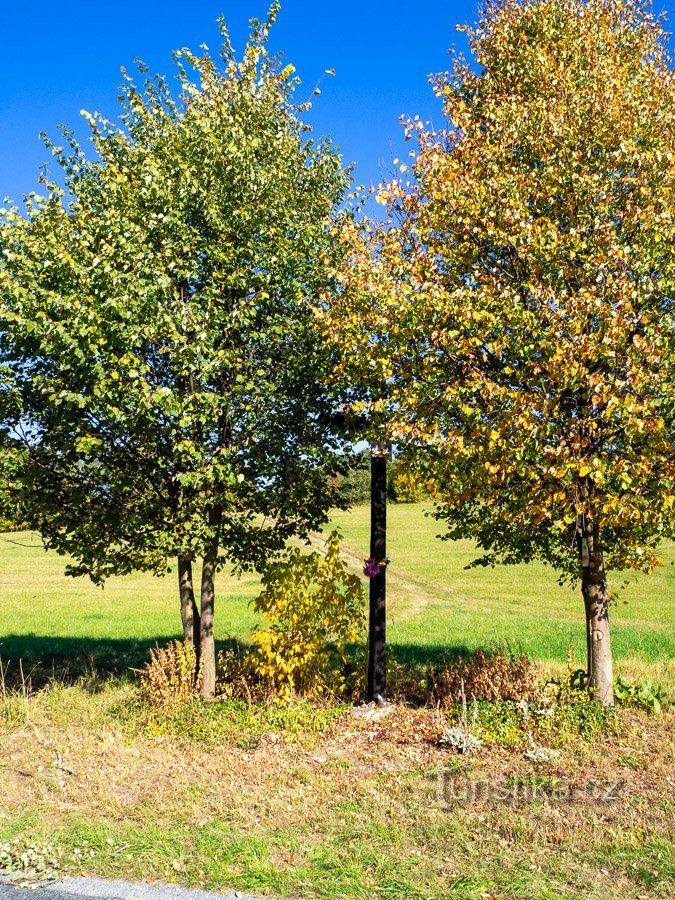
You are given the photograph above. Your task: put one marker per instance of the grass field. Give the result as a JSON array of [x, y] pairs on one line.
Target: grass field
[[311, 800], [436, 606]]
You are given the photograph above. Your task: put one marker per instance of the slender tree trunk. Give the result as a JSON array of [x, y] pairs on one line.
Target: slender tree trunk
[[207, 639], [596, 603], [189, 612]]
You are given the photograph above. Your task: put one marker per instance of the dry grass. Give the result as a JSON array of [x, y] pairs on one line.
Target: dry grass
[[359, 811]]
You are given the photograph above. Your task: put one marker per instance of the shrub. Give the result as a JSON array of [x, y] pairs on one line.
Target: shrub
[[403, 485], [171, 678], [313, 610], [495, 674]]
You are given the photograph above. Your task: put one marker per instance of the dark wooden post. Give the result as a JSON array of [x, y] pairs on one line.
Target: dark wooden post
[[377, 632]]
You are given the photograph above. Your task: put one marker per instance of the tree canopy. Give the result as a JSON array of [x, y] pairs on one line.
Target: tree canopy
[[518, 300], [164, 384]]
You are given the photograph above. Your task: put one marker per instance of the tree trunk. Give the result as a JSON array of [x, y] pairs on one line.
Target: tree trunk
[[188, 605], [596, 603], [207, 639]]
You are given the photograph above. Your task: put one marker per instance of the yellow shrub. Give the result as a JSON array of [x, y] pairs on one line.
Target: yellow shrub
[[312, 609]]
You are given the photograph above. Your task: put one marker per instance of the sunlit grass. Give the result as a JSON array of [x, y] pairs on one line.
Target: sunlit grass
[[436, 605]]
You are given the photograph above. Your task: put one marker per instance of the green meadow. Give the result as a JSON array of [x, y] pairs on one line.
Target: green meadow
[[437, 606]]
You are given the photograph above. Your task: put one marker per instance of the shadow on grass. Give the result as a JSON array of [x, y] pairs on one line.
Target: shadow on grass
[[40, 657], [436, 654], [116, 652]]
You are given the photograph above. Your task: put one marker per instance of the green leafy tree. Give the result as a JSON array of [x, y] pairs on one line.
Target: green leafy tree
[[518, 302], [10, 513], [162, 373]]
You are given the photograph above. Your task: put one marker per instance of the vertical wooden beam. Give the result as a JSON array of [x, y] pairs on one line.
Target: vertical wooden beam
[[377, 637]]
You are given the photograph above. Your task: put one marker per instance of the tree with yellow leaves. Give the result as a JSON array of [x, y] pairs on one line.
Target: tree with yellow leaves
[[518, 301]]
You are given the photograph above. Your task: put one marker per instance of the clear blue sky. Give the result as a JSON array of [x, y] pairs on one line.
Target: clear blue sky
[[60, 56]]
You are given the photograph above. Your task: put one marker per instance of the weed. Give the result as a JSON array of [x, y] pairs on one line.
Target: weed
[[460, 740], [498, 673], [171, 678], [499, 723], [538, 754], [243, 723], [562, 720], [461, 737], [631, 761], [583, 718], [14, 703], [647, 695]]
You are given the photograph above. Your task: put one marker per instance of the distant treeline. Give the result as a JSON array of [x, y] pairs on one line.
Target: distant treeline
[[402, 487]]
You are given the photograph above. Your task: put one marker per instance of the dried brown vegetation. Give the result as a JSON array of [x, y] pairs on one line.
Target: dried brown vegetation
[[499, 674], [171, 677], [362, 808]]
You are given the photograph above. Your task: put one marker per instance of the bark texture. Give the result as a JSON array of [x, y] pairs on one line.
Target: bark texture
[[596, 603], [207, 640]]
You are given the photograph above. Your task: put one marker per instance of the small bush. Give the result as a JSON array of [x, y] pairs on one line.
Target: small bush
[[313, 610], [496, 675], [171, 678], [460, 740]]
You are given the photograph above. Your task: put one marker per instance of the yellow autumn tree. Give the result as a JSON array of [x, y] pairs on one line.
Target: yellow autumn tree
[[517, 303]]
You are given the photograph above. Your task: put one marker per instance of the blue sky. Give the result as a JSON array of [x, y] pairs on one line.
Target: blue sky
[[61, 57]]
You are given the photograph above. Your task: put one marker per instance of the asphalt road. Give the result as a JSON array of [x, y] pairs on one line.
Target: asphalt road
[[98, 889]]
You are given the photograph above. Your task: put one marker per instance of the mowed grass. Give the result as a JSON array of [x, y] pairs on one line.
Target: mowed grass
[[436, 605], [45, 615]]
